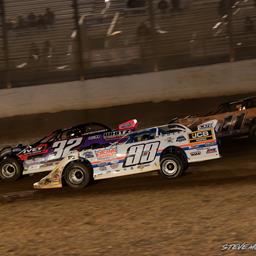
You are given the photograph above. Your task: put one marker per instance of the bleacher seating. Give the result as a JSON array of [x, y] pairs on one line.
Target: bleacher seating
[[109, 35]]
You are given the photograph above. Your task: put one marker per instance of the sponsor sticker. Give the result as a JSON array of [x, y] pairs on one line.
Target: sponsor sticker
[[142, 166], [71, 157], [114, 135], [114, 166], [211, 150], [95, 137], [88, 154], [180, 139], [200, 136], [106, 153], [205, 126], [196, 153]]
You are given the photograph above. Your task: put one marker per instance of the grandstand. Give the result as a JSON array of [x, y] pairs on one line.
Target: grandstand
[[109, 38]]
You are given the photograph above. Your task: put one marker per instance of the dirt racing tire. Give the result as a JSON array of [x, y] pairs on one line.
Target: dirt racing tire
[[252, 134], [78, 175], [10, 169], [171, 166]]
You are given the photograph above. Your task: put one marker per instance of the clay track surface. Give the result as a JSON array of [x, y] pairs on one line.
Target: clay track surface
[[211, 205]]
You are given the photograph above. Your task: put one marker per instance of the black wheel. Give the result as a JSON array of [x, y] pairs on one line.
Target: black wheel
[[78, 175], [252, 134], [171, 166], [10, 169]]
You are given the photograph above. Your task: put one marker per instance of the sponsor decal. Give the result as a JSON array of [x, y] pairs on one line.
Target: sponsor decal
[[102, 164], [103, 168], [34, 167], [88, 154], [106, 153], [205, 126], [15, 150], [169, 140], [142, 166], [180, 139], [211, 150], [115, 134], [48, 164], [131, 124], [114, 166], [196, 153], [71, 157], [200, 136], [95, 137], [29, 151], [35, 160]]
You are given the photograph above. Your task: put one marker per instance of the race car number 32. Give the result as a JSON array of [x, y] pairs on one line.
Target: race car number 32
[[63, 148], [141, 154]]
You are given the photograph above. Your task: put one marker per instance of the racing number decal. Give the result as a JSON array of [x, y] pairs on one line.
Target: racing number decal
[[227, 123], [141, 154], [239, 121], [63, 148], [237, 124], [58, 148]]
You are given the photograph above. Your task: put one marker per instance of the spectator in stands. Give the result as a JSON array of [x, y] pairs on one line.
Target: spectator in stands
[[163, 6], [46, 54], [225, 6], [143, 30], [34, 54], [32, 20], [9, 24], [144, 38], [176, 5], [49, 17], [135, 3], [248, 25], [21, 22], [41, 23]]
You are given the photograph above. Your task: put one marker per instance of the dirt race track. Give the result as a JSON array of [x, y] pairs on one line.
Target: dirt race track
[[211, 205]]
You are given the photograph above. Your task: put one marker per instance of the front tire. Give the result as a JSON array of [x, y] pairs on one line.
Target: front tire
[[10, 169], [78, 175], [171, 166]]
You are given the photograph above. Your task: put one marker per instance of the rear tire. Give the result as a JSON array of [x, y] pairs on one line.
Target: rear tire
[[78, 175], [10, 169], [171, 166]]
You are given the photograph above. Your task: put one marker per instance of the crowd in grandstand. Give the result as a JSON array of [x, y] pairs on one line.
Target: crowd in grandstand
[[32, 20], [130, 32]]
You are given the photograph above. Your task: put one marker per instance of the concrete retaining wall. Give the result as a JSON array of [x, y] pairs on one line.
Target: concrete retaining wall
[[214, 80]]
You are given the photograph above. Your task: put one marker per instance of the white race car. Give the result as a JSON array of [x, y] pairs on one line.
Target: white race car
[[169, 149]]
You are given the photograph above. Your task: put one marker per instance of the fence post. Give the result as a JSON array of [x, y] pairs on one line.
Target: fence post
[[153, 33], [81, 67], [5, 46]]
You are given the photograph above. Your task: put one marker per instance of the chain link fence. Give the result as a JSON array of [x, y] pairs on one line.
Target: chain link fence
[[46, 41]]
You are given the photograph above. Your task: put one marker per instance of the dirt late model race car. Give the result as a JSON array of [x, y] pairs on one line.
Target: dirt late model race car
[[237, 118], [168, 148], [46, 153]]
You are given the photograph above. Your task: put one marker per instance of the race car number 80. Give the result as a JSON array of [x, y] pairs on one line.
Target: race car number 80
[[141, 154]]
